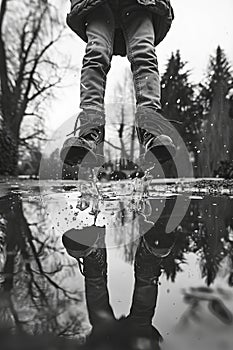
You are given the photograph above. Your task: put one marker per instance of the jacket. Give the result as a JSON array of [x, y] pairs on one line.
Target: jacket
[[162, 18]]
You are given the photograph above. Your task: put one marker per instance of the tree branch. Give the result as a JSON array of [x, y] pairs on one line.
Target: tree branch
[[112, 145], [26, 99], [28, 233], [3, 64], [2, 14], [32, 136], [43, 89], [25, 51]]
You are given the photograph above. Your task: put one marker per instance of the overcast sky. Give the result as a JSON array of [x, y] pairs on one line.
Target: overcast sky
[[199, 26]]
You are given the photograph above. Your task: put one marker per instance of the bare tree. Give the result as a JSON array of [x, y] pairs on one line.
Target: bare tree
[[29, 70], [122, 116]]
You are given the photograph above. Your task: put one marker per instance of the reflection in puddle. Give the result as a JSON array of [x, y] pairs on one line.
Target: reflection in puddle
[[46, 237]]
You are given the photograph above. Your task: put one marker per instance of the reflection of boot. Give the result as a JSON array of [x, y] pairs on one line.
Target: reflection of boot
[[87, 147], [97, 297], [153, 133], [147, 266], [147, 271], [159, 245], [156, 240], [87, 245], [154, 245], [79, 243]]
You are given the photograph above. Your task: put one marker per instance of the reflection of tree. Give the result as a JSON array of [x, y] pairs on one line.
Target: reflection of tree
[[33, 295], [211, 239], [172, 264], [207, 231], [204, 231]]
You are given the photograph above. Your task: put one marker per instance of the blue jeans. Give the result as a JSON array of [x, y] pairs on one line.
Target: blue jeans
[[137, 27]]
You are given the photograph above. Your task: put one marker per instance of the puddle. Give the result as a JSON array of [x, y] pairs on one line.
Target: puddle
[[42, 289]]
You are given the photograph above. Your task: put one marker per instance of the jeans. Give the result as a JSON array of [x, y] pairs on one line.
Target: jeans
[[138, 30]]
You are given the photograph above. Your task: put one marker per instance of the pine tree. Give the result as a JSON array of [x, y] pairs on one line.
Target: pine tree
[[178, 100], [217, 127]]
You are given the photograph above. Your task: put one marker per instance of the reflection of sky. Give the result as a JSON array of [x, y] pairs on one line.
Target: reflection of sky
[[208, 333]]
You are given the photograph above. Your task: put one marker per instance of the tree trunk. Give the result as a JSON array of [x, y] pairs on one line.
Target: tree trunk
[[9, 151]]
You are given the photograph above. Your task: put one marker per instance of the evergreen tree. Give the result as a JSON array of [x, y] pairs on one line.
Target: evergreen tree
[[179, 102], [217, 127]]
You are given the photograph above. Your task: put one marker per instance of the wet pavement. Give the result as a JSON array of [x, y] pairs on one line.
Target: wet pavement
[[189, 227]]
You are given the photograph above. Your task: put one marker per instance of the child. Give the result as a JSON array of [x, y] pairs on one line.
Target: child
[[119, 27]]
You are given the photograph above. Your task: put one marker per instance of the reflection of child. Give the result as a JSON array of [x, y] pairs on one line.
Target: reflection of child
[[140, 333], [132, 27]]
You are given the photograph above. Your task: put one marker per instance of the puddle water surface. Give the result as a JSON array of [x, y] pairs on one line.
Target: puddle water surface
[[44, 225]]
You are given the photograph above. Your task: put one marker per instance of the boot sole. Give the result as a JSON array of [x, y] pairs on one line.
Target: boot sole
[[162, 154], [80, 156]]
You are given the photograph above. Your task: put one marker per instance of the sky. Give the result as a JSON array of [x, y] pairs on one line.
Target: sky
[[198, 28]]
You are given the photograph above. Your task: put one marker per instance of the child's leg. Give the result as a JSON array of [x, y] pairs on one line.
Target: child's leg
[[139, 35], [154, 131], [97, 59], [85, 143]]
